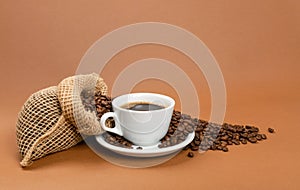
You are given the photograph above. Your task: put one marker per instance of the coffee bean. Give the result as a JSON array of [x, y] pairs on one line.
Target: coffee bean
[[245, 135], [223, 143], [252, 139], [236, 142], [225, 149], [180, 128], [197, 142], [217, 142], [239, 129], [237, 136], [244, 141], [174, 122], [195, 148], [111, 138], [248, 127], [254, 129], [271, 130], [252, 134], [232, 129], [186, 133], [258, 137], [213, 147], [225, 138], [190, 154], [189, 129], [219, 147], [168, 143], [180, 134], [139, 148], [173, 141], [167, 137], [263, 136], [170, 131], [198, 129]]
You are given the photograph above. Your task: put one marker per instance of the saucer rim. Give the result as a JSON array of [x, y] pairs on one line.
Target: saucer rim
[[152, 150]]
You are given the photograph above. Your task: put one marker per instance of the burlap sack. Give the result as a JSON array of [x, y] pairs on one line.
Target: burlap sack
[[41, 127], [68, 92]]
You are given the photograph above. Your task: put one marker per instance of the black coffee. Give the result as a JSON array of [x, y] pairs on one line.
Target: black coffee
[[142, 106]]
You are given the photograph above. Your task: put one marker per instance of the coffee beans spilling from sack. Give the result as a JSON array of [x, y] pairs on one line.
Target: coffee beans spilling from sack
[[208, 136], [98, 100], [69, 94]]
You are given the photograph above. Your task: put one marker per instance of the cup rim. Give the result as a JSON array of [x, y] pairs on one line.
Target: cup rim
[[172, 102]]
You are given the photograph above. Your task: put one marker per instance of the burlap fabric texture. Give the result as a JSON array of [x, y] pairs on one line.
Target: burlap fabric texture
[[68, 92], [41, 127], [51, 119]]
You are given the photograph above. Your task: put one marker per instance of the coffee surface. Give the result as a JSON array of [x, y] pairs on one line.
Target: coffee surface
[[142, 106]]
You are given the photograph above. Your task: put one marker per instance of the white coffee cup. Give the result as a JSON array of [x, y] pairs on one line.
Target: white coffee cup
[[142, 128]]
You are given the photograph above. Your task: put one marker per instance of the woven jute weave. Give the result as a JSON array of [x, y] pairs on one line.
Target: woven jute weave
[[41, 127], [68, 92], [53, 119]]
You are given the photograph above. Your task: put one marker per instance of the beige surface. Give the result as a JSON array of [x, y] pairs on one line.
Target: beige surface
[[255, 42]]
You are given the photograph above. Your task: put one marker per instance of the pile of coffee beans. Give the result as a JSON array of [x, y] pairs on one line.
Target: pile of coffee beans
[[217, 137], [96, 102], [117, 140], [180, 127], [208, 136], [88, 99]]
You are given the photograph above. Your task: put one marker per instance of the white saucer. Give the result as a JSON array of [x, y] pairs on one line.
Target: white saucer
[[146, 151]]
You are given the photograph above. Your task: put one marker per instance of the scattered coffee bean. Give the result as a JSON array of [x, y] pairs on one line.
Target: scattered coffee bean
[[139, 148], [190, 154], [263, 136], [271, 130]]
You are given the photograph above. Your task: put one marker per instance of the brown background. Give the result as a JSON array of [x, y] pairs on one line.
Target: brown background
[[256, 43]]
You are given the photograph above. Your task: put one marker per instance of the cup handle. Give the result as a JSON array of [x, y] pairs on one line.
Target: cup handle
[[117, 129]]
